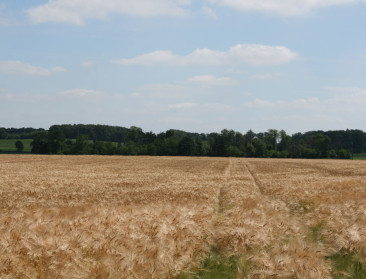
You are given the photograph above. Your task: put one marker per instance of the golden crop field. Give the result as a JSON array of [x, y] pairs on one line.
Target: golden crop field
[[157, 217]]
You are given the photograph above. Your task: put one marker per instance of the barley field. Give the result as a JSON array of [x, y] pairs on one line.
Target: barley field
[[159, 217]]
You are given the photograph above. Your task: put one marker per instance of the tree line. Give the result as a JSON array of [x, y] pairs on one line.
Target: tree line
[[112, 140], [18, 133]]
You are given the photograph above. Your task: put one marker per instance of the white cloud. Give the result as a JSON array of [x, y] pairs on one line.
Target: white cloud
[[284, 104], [159, 56], [208, 80], [87, 64], [81, 92], [183, 106], [194, 86], [344, 99], [26, 69], [246, 94], [270, 76], [166, 91], [349, 90], [58, 69], [338, 108], [281, 7], [209, 12], [348, 98], [249, 54], [216, 107], [4, 21], [24, 97], [179, 121], [78, 11], [203, 108]]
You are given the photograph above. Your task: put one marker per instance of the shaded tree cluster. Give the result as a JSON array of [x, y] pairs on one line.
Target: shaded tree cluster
[[112, 140], [18, 133]]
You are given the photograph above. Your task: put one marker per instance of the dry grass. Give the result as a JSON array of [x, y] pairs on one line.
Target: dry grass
[[151, 217]]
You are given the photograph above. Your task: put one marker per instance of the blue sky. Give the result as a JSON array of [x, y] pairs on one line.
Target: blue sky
[[199, 66]]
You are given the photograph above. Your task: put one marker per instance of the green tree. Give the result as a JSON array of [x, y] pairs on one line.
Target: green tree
[[322, 145], [186, 147], [56, 142], [234, 151], [284, 141], [250, 149], [135, 134], [19, 146], [40, 143], [3, 134], [220, 145], [260, 148], [344, 154], [248, 137], [271, 138], [82, 146]]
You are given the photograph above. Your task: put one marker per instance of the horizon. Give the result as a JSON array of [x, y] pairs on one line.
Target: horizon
[[199, 66], [186, 131]]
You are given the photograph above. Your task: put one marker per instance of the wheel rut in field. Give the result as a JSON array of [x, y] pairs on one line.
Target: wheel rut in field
[[259, 227], [260, 186], [254, 178], [227, 174]]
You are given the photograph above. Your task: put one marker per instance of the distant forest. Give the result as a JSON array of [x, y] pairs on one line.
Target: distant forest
[[113, 140]]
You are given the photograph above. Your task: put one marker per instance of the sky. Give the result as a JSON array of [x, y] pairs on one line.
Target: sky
[[193, 65]]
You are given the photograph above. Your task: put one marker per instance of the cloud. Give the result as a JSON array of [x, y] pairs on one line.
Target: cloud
[[344, 99], [281, 7], [5, 22], [246, 94], [209, 12], [6, 17], [183, 106], [349, 90], [208, 80], [87, 64], [78, 11], [194, 86], [216, 107], [203, 108], [248, 54], [26, 69], [24, 97], [81, 92], [347, 98], [165, 91], [270, 76], [283, 104], [58, 69], [337, 108]]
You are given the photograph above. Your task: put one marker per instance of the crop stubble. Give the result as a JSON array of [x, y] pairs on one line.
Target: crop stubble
[[153, 217]]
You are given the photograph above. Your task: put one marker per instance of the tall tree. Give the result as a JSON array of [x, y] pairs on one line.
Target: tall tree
[[186, 147], [40, 143], [3, 134], [19, 146], [271, 138], [56, 142], [322, 145], [284, 141]]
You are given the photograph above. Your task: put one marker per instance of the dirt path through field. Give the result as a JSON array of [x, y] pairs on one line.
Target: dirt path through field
[[260, 226]]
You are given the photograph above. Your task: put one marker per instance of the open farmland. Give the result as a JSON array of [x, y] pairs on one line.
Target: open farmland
[[8, 145], [158, 217]]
